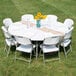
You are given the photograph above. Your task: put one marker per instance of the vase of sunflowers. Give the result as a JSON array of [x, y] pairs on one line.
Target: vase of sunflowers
[[38, 18]]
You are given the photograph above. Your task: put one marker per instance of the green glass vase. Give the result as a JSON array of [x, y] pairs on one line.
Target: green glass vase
[[38, 23]]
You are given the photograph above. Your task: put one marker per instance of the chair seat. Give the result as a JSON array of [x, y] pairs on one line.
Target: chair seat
[[47, 49], [10, 42], [66, 43], [25, 48]]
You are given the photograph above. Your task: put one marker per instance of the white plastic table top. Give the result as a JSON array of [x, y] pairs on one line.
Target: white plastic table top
[[34, 33]]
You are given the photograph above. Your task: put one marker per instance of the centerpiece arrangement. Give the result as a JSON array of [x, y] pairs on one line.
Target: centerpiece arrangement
[[38, 17]]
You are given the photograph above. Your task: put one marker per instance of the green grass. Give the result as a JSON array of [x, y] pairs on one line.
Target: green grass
[[14, 9]]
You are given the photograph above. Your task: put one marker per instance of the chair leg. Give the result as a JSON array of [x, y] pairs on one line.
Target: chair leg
[[15, 55], [30, 57], [44, 58], [65, 52], [70, 47], [59, 55], [8, 50], [5, 48]]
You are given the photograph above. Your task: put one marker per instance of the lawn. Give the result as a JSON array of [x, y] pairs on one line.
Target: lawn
[[14, 9]]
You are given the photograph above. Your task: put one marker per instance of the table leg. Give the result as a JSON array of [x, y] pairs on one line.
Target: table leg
[[36, 50]]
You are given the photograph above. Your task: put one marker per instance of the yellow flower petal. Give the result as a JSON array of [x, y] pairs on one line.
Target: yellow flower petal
[[40, 16]]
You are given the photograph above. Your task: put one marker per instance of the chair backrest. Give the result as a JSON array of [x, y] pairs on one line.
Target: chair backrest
[[52, 17], [23, 40], [68, 34], [7, 22], [6, 33], [27, 17], [51, 40], [68, 22]]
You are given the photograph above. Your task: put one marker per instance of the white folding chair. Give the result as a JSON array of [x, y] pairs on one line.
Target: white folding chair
[[7, 22], [69, 23], [67, 42], [9, 40], [28, 18], [23, 45], [52, 17], [50, 45], [49, 21]]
